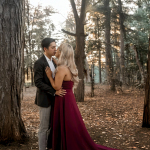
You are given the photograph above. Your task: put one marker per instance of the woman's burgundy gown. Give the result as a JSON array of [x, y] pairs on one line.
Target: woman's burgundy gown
[[69, 131]]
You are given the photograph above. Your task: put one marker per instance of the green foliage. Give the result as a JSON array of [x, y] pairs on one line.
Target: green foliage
[[136, 28], [37, 26], [138, 31]]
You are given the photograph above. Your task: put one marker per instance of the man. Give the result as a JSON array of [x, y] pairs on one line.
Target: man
[[45, 94]]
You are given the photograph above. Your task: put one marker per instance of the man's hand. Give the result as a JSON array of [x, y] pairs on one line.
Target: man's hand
[[61, 92]]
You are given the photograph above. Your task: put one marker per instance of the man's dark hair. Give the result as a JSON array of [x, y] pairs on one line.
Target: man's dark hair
[[46, 42]]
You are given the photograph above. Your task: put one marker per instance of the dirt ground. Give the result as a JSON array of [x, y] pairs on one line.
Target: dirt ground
[[112, 119]]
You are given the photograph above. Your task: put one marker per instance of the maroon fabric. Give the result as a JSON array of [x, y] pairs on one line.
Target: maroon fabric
[[69, 131]]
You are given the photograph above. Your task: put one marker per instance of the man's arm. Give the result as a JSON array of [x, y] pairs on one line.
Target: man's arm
[[38, 79]]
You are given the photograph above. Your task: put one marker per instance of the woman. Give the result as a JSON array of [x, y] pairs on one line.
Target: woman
[[69, 131]]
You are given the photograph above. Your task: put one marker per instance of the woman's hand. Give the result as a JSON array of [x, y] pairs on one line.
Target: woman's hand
[[48, 72]]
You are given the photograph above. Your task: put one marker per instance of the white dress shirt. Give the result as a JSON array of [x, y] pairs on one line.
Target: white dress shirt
[[51, 65]]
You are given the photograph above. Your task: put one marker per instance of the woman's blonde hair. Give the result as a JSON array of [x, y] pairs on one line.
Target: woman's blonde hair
[[66, 58]]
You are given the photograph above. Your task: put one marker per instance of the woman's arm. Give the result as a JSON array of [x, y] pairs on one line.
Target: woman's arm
[[60, 74]]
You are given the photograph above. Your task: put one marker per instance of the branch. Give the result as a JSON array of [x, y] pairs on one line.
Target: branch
[[83, 13], [74, 10], [73, 34], [96, 3], [67, 32]]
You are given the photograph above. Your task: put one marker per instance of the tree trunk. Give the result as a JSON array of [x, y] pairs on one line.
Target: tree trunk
[[27, 74], [122, 61], [99, 56], [80, 45], [79, 59], [92, 79], [11, 68], [146, 113], [32, 79], [127, 81], [139, 65], [109, 62], [99, 61], [86, 68], [116, 73], [122, 48]]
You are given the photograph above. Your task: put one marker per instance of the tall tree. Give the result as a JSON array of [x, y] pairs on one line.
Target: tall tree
[[80, 45], [109, 61], [141, 70], [122, 36], [98, 46], [37, 26], [103, 7], [11, 67], [138, 29], [146, 113]]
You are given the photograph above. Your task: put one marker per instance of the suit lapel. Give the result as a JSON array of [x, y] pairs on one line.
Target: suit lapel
[[45, 61], [45, 65], [54, 64]]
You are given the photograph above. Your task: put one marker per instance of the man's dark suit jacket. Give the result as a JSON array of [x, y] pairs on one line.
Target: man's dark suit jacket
[[45, 92]]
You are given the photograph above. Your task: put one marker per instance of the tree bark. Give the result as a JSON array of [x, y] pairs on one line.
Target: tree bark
[[92, 79], [79, 59], [139, 65], [109, 62], [11, 68], [146, 113], [27, 74], [99, 51], [122, 48], [99, 61], [32, 78]]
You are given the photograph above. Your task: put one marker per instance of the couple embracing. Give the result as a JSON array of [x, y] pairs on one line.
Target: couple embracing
[[61, 124]]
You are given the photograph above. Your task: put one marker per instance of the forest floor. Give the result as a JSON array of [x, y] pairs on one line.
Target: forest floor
[[113, 120]]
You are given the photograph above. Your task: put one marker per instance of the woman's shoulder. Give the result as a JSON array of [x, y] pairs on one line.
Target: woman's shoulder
[[62, 68]]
